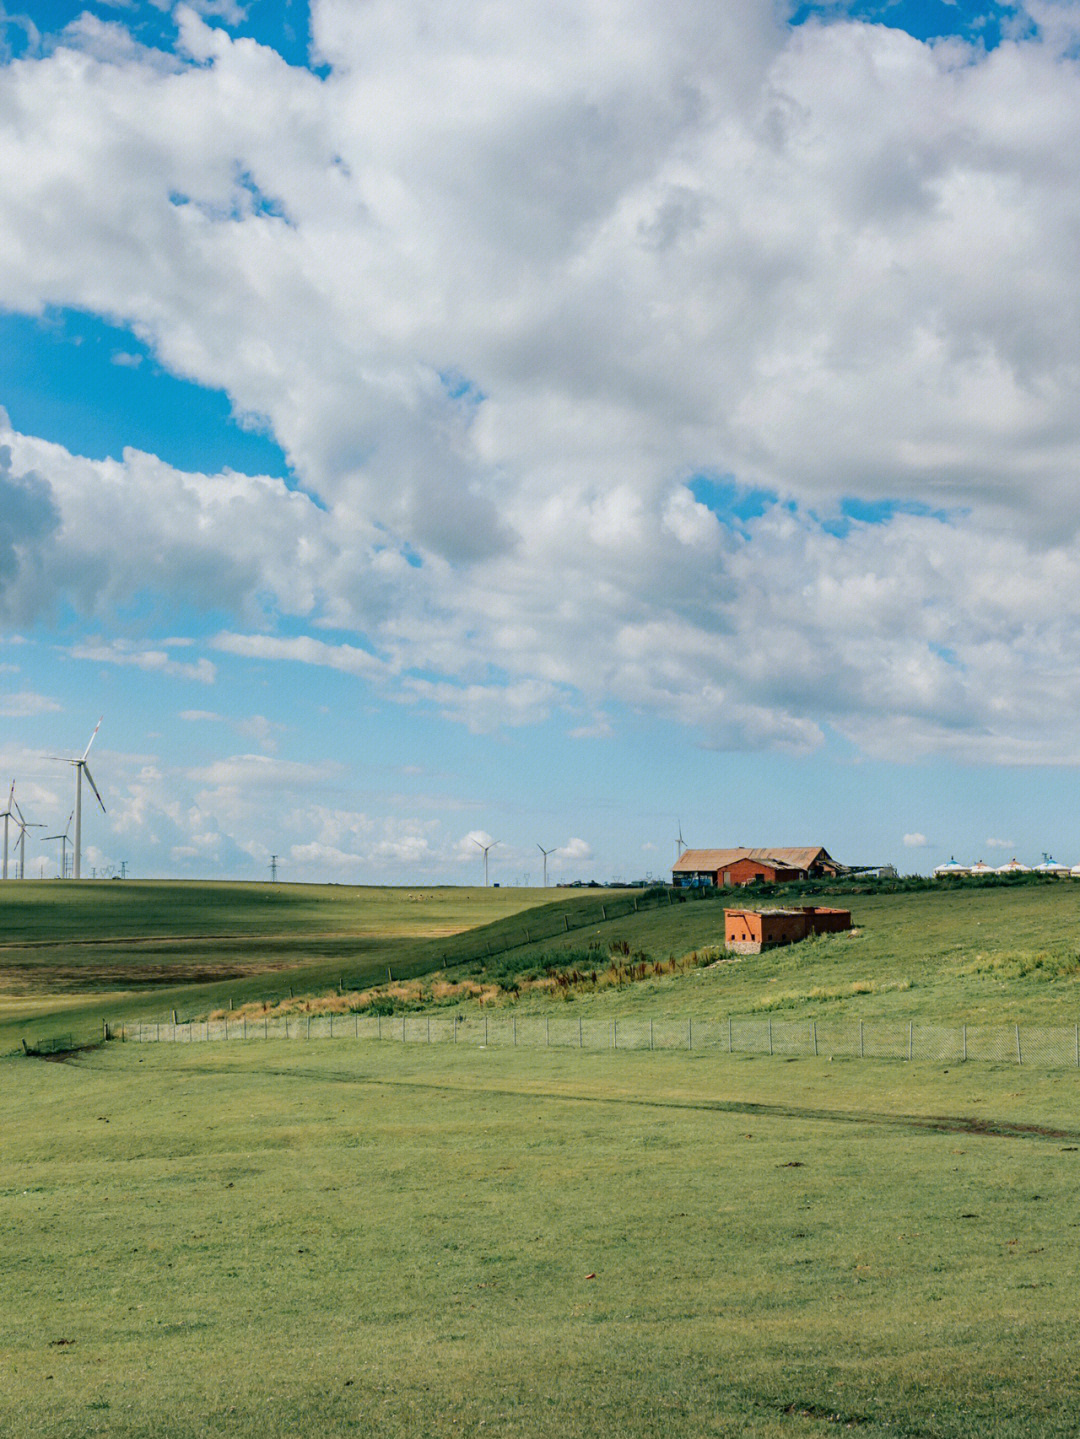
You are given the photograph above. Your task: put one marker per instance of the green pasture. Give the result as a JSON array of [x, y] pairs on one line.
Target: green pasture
[[352, 1239], [74, 955], [83, 950], [983, 955]]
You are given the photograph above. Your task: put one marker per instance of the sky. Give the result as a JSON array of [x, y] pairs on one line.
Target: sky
[[547, 424]]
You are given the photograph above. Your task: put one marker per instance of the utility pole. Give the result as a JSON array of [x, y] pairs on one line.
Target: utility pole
[[123, 869], [273, 869]]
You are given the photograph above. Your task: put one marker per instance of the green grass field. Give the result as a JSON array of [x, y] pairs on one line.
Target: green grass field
[[346, 1237], [340, 1239]]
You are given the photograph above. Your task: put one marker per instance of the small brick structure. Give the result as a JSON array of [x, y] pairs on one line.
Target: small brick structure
[[750, 931]]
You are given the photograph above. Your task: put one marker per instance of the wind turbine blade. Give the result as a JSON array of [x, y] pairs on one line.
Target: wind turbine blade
[[19, 812], [89, 742], [93, 786]]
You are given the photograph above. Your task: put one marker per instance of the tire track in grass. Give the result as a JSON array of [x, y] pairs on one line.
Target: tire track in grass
[[971, 1125]]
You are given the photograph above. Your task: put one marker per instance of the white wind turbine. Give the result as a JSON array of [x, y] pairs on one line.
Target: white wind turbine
[[81, 767], [545, 853], [7, 816], [680, 842], [63, 838], [23, 827], [486, 848]]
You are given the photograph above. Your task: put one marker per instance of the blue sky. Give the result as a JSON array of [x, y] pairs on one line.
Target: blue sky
[[421, 431]]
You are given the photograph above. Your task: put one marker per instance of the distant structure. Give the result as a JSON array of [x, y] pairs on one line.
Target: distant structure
[[750, 931], [1049, 867], [727, 868]]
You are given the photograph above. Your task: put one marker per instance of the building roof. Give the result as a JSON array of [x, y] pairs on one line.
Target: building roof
[[801, 857]]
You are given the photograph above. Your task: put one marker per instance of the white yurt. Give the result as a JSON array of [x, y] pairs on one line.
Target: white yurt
[[982, 868], [1015, 867], [1051, 866], [942, 871]]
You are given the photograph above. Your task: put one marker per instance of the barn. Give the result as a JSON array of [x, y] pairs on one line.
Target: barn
[[728, 868]]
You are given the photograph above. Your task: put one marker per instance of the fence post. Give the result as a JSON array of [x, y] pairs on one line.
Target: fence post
[[963, 1037], [770, 1034], [910, 1037], [286, 1026], [244, 1034], [266, 1026], [566, 923], [1019, 1056], [309, 1026], [603, 910], [813, 1026]]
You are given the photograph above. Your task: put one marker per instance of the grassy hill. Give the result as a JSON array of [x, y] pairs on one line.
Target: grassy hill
[[75, 954]]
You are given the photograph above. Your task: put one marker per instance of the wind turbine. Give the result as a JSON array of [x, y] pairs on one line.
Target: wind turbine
[[7, 817], [81, 767], [485, 848], [23, 827], [680, 842], [63, 838], [545, 853]]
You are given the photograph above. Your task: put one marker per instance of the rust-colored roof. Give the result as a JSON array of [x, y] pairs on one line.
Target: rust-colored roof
[[801, 857]]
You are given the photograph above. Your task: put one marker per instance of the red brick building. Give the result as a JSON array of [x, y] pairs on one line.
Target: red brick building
[[749, 931]]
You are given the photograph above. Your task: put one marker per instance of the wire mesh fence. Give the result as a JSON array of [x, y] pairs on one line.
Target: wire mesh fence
[[1051, 1047]]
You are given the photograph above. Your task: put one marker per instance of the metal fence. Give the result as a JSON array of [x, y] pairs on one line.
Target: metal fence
[[1044, 1046]]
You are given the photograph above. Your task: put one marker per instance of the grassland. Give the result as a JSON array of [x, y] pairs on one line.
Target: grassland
[[347, 1239], [80, 950], [76, 954], [350, 1238]]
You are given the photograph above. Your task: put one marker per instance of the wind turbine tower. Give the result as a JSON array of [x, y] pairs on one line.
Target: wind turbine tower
[[680, 842], [64, 841], [23, 827], [486, 848], [7, 817], [81, 767], [545, 853]]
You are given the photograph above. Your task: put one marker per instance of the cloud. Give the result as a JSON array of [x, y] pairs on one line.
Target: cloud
[[25, 703], [158, 661], [506, 284], [303, 650], [916, 841], [1000, 844], [29, 519], [575, 851]]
